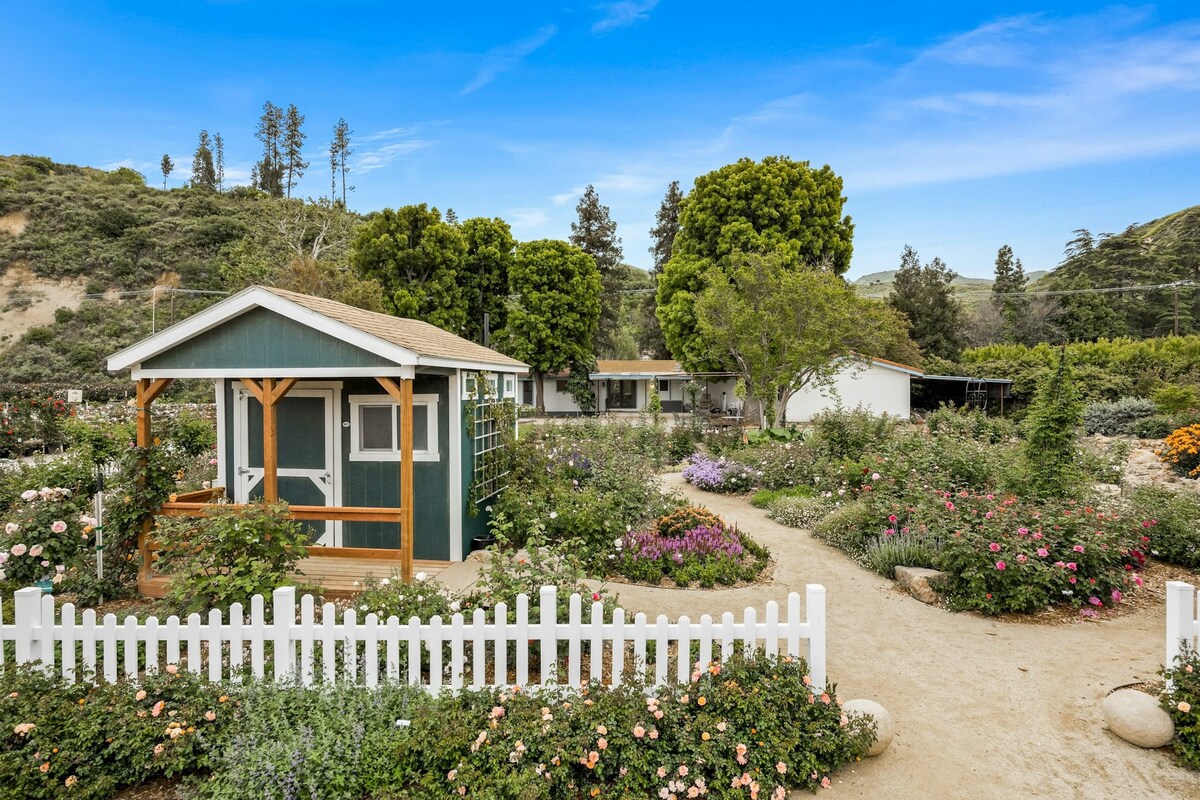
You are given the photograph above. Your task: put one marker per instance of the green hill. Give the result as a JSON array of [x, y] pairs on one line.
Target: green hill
[[878, 285]]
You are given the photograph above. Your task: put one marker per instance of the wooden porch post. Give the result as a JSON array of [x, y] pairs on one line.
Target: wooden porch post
[[269, 393], [147, 391], [403, 395]]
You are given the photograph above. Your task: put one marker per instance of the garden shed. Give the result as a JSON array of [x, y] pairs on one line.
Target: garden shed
[[380, 432]]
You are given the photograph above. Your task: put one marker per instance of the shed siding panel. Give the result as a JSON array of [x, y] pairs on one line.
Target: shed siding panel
[[877, 389], [261, 340]]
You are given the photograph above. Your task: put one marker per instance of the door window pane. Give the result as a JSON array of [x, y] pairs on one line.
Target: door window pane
[[375, 427]]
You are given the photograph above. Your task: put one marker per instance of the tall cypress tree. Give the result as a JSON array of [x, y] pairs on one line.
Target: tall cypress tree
[[204, 175], [270, 133], [293, 147], [662, 237], [924, 296], [219, 152], [167, 166], [1007, 289], [595, 233]]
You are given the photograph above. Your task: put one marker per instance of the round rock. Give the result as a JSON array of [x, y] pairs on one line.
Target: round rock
[[1138, 718], [885, 728]]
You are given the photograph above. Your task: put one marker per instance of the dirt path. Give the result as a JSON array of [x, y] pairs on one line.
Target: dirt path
[[984, 709]]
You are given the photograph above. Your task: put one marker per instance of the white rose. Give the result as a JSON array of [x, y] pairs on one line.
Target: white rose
[[420, 577]]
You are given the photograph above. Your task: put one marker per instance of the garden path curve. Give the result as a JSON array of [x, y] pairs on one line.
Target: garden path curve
[[983, 708]]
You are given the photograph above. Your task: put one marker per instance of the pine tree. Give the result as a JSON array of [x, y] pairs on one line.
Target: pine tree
[[451, 217], [1006, 290], [219, 147], [666, 226], [167, 166], [1051, 426], [596, 234], [293, 147], [270, 133], [923, 295], [339, 152], [204, 176]]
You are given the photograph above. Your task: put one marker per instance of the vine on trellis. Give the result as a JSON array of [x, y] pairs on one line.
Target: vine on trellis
[[491, 422]]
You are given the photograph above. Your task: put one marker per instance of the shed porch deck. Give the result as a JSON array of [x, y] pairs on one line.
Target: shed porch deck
[[335, 574]]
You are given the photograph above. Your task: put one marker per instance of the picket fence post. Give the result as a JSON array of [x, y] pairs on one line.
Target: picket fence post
[[283, 616], [814, 606], [27, 614], [1181, 619]]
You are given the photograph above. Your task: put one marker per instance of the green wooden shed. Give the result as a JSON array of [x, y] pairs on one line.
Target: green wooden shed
[[324, 405]]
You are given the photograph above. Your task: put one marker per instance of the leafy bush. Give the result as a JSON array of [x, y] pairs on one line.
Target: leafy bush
[[1182, 702], [1171, 519], [681, 442], [192, 434], [392, 597], [229, 555], [884, 553], [1173, 398], [1118, 417], [70, 471], [687, 518], [707, 555], [1157, 426], [763, 498], [969, 423], [786, 434], [798, 511], [845, 526], [1182, 451], [44, 537], [89, 740], [842, 433], [1049, 452]]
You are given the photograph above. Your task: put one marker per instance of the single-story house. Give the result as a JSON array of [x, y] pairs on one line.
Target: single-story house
[[357, 419], [623, 386], [876, 384]]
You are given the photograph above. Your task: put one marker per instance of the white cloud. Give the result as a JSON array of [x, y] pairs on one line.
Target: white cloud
[[400, 141], [505, 57], [526, 219], [621, 14]]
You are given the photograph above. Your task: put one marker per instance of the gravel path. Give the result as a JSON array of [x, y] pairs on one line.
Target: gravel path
[[984, 709]]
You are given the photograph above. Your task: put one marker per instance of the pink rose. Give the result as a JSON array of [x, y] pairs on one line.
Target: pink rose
[[1001, 565], [35, 551], [1043, 552], [19, 549], [995, 548], [58, 526]]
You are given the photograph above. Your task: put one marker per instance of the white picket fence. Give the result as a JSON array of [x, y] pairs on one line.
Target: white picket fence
[[437, 654], [1183, 627]]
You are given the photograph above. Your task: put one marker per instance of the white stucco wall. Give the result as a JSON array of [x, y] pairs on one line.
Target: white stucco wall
[[879, 389], [558, 402]]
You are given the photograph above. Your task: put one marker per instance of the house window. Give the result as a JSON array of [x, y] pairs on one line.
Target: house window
[[560, 386], [510, 387], [664, 386], [375, 428]]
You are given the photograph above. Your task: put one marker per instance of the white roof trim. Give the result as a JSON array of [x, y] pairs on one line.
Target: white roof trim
[[868, 362], [257, 297]]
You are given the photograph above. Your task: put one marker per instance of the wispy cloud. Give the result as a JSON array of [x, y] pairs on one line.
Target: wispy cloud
[[526, 219], [396, 143], [621, 14], [505, 57]]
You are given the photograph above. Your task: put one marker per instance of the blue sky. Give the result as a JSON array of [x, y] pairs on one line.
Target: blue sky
[[957, 126]]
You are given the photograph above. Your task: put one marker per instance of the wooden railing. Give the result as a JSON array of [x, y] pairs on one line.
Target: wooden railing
[[190, 508]]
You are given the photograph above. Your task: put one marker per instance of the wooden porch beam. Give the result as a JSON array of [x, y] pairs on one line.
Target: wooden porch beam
[[254, 388], [270, 442], [406, 479], [147, 391], [283, 387], [392, 389]]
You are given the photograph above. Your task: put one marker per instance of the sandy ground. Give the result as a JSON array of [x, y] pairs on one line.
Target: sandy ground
[[46, 297], [984, 709]]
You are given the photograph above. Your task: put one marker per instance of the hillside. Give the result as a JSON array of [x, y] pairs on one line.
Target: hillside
[[78, 244], [878, 285]]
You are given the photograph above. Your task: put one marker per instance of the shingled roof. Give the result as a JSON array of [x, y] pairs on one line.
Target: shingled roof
[[413, 334]]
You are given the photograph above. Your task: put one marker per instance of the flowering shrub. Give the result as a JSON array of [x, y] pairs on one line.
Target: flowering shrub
[[708, 555], [800, 512], [1182, 702], [85, 740], [1173, 517], [1117, 417], [687, 518], [718, 475], [44, 536], [1182, 451]]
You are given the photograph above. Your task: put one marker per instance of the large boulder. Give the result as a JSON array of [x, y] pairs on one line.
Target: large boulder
[[885, 728], [921, 583], [1138, 718]]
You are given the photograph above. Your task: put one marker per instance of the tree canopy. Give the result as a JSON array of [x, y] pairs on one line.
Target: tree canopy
[[484, 273], [786, 328], [595, 233], [557, 307], [923, 295], [773, 206], [416, 258]]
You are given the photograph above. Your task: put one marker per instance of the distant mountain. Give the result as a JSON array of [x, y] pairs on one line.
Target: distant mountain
[[878, 285]]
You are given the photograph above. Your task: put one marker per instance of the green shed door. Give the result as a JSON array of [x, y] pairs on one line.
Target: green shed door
[[306, 474]]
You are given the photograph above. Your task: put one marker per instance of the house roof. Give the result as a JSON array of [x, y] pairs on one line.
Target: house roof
[[406, 343], [883, 362], [637, 368]]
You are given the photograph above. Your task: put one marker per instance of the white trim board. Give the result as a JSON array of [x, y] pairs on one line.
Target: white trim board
[[277, 372]]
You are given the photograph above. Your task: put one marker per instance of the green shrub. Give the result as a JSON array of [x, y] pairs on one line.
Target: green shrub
[[842, 433], [848, 527], [93, 739], [764, 498], [1118, 417], [969, 423], [1173, 523], [799, 511], [44, 536], [1049, 452], [229, 555], [192, 434], [1182, 702], [686, 518], [681, 442], [1157, 426], [1173, 398], [71, 471], [884, 553]]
